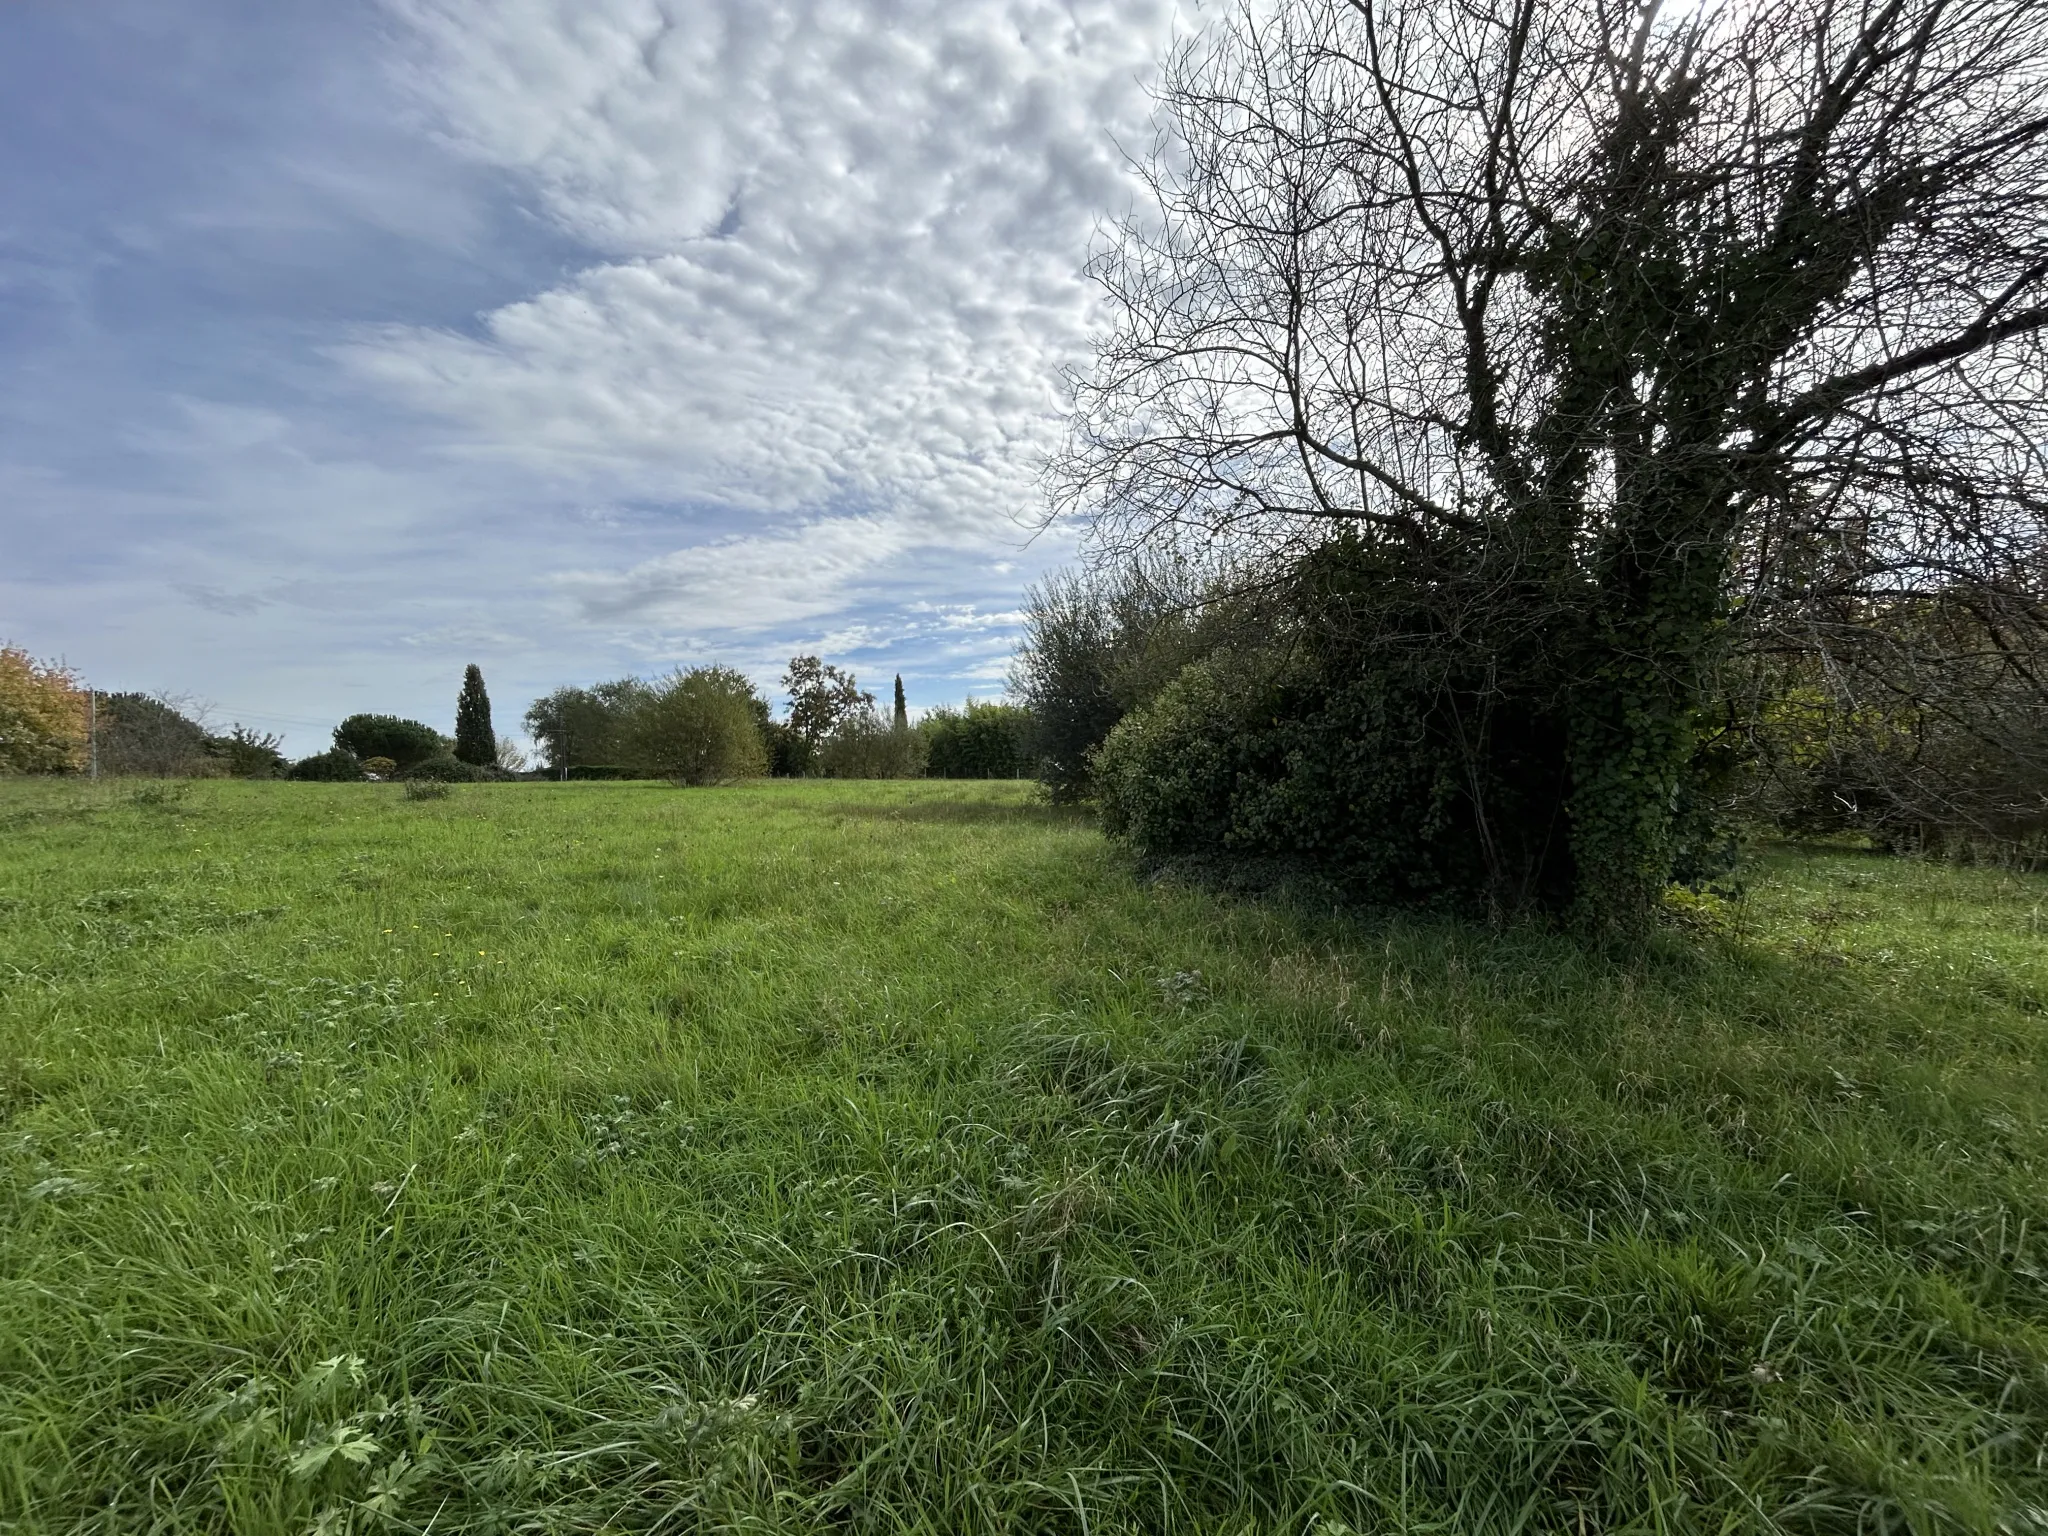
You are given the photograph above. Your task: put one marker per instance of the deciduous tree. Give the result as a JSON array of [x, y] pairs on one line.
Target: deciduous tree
[[42, 715], [820, 697], [1607, 337], [702, 726]]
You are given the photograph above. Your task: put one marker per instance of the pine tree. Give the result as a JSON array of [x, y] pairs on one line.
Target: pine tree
[[475, 741], [902, 714]]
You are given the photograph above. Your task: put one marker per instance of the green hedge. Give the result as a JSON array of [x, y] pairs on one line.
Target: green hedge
[[337, 765], [445, 769], [1252, 758], [986, 741]]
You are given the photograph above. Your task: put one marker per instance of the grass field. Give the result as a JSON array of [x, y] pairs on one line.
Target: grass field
[[826, 1156]]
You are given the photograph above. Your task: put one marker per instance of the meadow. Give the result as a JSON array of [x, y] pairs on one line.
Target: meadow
[[889, 1157]]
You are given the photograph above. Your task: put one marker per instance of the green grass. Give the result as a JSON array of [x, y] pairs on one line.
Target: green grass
[[848, 1157]]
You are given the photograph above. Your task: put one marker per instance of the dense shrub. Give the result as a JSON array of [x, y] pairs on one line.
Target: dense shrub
[[383, 767], [1353, 746], [1102, 643], [1353, 737], [42, 715], [982, 741], [444, 768], [248, 754], [702, 726], [405, 742], [337, 765], [1238, 760], [864, 746], [148, 737], [789, 755]]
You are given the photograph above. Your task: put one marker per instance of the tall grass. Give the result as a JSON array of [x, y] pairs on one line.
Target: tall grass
[[883, 1157]]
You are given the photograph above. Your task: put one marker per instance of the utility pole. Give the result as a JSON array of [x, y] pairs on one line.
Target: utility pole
[[92, 728]]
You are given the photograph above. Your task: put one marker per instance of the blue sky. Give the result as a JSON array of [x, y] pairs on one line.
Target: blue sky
[[346, 344]]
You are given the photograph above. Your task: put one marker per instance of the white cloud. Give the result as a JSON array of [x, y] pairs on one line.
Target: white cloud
[[842, 242], [743, 582], [775, 295]]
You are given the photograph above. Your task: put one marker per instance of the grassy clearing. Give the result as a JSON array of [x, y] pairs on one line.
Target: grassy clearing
[[883, 1157]]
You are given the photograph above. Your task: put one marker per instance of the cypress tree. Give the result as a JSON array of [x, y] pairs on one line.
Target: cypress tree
[[475, 742], [902, 713]]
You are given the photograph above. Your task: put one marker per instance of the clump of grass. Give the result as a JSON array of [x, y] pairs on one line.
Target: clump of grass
[[884, 1157], [427, 789]]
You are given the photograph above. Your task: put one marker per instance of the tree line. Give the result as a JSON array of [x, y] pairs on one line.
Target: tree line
[[700, 725], [50, 722], [708, 724]]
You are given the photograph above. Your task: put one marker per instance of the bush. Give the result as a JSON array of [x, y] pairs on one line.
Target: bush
[[863, 746], [789, 755], [337, 765], [700, 727], [42, 715], [1099, 645], [248, 754], [444, 769], [405, 742], [603, 772], [1358, 780], [383, 767], [145, 737], [983, 741], [427, 789]]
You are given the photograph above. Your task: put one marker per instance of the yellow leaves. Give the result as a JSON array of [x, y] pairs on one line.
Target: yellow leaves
[[42, 715]]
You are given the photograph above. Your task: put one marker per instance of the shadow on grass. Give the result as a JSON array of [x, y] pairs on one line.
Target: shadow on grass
[[962, 812]]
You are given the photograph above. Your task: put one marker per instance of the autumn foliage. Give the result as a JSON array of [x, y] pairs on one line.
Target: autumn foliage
[[42, 715]]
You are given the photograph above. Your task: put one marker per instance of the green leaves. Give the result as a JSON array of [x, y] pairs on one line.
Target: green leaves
[[332, 1377], [344, 1441]]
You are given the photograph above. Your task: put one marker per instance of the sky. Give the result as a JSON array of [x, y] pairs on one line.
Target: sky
[[342, 345]]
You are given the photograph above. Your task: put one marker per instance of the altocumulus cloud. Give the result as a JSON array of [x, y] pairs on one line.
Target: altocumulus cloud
[[743, 581], [840, 275], [349, 344]]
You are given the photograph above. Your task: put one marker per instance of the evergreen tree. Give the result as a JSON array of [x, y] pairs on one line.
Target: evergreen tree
[[405, 742], [902, 721], [475, 741]]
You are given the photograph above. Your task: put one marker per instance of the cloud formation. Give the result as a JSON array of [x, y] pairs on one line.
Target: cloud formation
[[740, 582], [349, 345], [844, 241]]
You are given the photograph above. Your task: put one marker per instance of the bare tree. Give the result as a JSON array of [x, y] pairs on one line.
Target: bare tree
[[1606, 336]]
